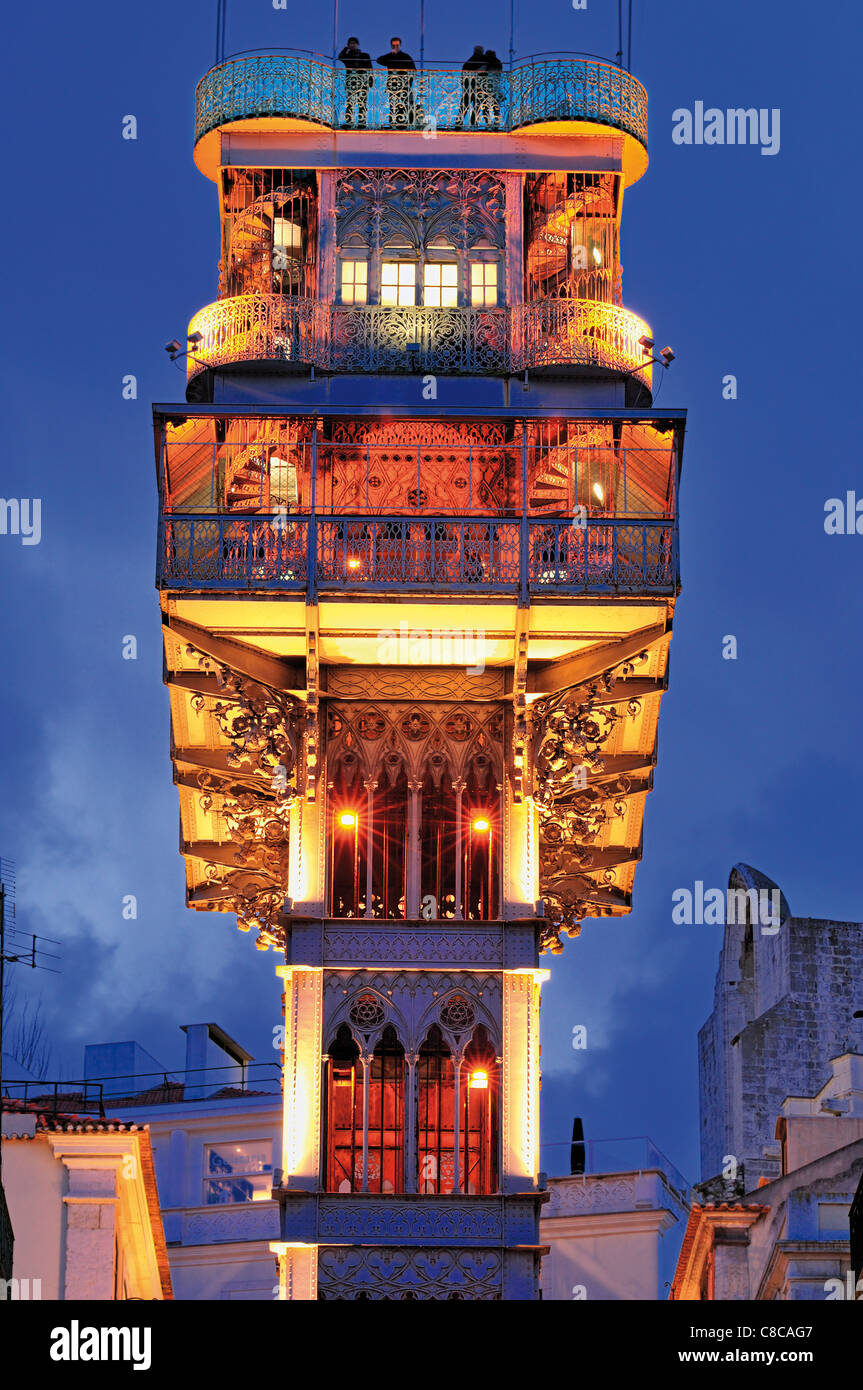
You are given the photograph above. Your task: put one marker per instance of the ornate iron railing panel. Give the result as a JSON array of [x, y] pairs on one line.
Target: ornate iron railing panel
[[233, 552], [376, 338], [566, 89], [561, 89], [569, 332], [416, 339], [594, 555], [255, 327], [403, 553]]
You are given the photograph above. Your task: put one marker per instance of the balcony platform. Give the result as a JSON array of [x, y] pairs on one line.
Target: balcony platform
[[292, 96]]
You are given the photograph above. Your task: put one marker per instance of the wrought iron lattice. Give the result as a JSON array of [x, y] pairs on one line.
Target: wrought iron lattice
[[458, 1013], [419, 338], [563, 89], [461, 206], [367, 1012], [570, 732], [410, 554]]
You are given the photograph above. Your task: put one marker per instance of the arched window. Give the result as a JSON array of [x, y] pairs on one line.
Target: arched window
[[344, 1114], [348, 839], [435, 1101], [389, 837], [481, 1094], [478, 1100], [481, 836], [348, 1125], [438, 836]]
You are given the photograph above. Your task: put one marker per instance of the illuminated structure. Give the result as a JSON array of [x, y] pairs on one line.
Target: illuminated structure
[[417, 562]]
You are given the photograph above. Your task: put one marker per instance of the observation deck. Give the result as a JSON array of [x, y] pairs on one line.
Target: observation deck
[[554, 334], [298, 96], [310, 91]]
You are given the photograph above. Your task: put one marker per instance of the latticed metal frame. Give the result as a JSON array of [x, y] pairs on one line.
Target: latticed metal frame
[[561, 89], [552, 333], [581, 556]]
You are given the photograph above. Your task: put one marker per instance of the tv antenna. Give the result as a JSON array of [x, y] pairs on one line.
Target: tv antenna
[[17, 948]]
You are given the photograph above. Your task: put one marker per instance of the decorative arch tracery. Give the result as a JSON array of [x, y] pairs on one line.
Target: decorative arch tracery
[[414, 811]]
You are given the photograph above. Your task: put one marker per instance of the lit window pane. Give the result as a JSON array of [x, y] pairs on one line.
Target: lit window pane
[[441, 284], [483, 284], [354, 282], [238, 1172], [398, 282]]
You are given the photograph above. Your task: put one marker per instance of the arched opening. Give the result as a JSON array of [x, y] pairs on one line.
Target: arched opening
[[389, 839], [387, 1115], [480, 1095], [478, 1102], [438, 837], [348, 827], [383, 1123], [344, 1114], [435, 1102], [481, 836]]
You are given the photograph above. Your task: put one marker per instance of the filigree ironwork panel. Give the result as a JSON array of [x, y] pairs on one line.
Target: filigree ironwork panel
[[230, 552], [402, 553], [389, 1221], [419, 338], [430, 743], [440, 466], [562, 89], [443, 946], [427, 1273], [416, 339], [462, 205], [570, 732], [258, 327]]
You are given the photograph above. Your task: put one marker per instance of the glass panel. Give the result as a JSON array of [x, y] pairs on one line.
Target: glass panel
[[354, 282], [398, 282], [483, 284], [238, 1172], [440, 284]]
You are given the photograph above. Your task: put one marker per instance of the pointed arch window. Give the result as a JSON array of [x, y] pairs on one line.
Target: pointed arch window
[[481, 837], [481, 1093], [365, 1119], [436, 1109], [468, 1088], [348, 837], [438, 836], [389, 839]]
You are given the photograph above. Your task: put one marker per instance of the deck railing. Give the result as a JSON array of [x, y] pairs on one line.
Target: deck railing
[[494, 555], [533, 91], [375, 338]]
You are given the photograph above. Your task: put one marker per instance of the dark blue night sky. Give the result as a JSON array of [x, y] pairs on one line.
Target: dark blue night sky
[[744, 263]]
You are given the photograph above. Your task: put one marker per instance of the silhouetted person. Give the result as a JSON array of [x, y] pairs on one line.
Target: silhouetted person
[[400, 87], [474, 64], [358, 80], [488, 89]]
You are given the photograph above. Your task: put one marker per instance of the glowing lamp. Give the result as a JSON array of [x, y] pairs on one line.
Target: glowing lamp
[[480, 825], [479, 1081], [353, 563], [598, 492], [347, 820], [597, 255]]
